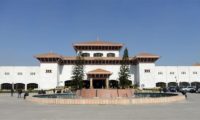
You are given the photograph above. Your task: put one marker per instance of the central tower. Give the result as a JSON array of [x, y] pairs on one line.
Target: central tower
[[98, 49]]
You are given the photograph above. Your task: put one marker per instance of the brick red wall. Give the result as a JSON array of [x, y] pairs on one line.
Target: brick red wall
[[105, 93]]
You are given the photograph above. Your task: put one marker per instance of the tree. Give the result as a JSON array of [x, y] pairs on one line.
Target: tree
[[124, 73], [78, 72]]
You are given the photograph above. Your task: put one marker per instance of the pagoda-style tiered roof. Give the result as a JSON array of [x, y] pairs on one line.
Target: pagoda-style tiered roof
[[146, 55], [53, 57], [48, 55], [99, 71], [97, 45], [196, 64]]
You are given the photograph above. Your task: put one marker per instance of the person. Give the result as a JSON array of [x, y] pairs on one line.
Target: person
[[26, 94], [19, 93], [160, 90], [58, 91], [11, 91], [54, 91], [184, 93], [43, 91], [164, 89]]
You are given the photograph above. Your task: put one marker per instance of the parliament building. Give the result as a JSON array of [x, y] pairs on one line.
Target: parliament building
[[102, 63]]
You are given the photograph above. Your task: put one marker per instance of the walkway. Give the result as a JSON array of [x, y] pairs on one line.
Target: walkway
[[12, 108]]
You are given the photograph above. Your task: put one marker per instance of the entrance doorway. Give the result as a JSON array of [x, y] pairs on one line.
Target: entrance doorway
[[6, 86], [86, 84], [19, 86], [99, 84], [161, 84]]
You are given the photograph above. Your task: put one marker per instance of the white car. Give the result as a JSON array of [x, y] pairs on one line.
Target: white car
[[189, 89]]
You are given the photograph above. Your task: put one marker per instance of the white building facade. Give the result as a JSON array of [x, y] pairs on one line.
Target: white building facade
[[102, 63]]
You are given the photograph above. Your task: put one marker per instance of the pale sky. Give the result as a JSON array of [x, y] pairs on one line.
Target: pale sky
[[169, 28]]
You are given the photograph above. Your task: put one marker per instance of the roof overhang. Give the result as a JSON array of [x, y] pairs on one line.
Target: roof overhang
[[99, 72]]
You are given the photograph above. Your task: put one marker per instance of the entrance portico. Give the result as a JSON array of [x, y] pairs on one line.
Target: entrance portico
[[99, 78]]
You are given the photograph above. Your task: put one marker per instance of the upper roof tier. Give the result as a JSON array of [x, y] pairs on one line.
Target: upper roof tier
[[97, 45]]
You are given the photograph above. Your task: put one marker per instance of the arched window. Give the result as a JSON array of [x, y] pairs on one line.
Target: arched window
[[85, 54], [161, 84], [98, 54], [19, 86], [111, 55], [6, 86], [32, 86]]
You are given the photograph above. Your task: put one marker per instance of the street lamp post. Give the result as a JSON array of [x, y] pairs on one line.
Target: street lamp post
[[177, 86], [176, 81]]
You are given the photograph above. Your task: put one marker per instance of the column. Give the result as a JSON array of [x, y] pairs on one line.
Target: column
[[25, 87], [91, 83], [13, 86], [107, 83]]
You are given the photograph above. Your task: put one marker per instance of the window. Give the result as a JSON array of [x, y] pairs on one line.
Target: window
[[160, 73], [85, 54], [32, 73], [7, 73], [98, 54], [195, 73], [183, 73], [48, 71], [19, 73], [111, 55], [171, 73], [147, 71]]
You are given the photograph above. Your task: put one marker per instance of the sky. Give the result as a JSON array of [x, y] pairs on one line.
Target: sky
[[169, 28]]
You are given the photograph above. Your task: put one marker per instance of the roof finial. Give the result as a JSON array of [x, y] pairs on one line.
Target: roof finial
[[97, 38]]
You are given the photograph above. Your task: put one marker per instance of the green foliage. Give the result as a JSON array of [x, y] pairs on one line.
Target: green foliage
[[126, 56], [136, 86], [78, 73], [124, 73]]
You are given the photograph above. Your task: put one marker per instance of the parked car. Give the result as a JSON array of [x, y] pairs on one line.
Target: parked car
[[183, 89], [189, 89], [172, 89], [198, 90], [164, 89]]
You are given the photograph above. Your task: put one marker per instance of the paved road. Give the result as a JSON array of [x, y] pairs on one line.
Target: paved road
[[12, 108]]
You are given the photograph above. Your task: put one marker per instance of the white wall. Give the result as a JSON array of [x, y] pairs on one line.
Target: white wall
[[65, 74], [137, 75], [62, 73], [146, 80], [177, 76], [49, 80], [25, 78]]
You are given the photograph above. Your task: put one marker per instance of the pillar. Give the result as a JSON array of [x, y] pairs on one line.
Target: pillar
[[13, 86], [107, 83], [91, 83], [25, 87]]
